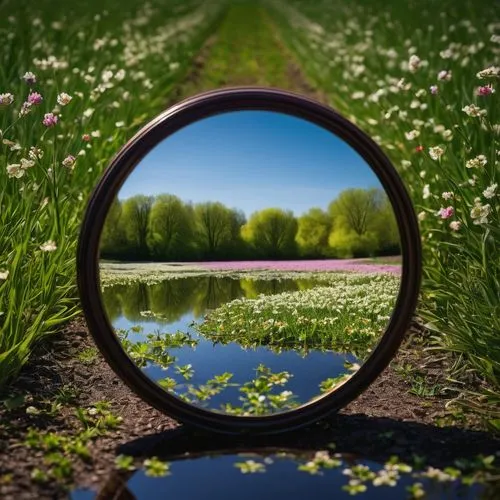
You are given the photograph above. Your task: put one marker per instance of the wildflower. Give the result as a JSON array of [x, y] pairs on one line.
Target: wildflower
[[489, 192], [444, 75], [86, 137], [88, 112], [35, 153], [25, 164], [48, 246], [447, 135], [473, 110], [63, 99], [434, 89], [15, 170], [6, 99], [4, 275], [69, 161], [478, 161], [447, 195], [419, 149], [426, 192], [31, 410], [446, 213], [485, 90], [25, 108], [422, 216], [480, 212], [436, 152], [50, 119], [34, 98], [358, 95], [489, 72], [29, 78], [455, 225], [95, 133], [120, 124], [412, 134], [414, 63]]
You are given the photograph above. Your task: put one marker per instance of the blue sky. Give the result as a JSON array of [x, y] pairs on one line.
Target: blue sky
[[251, 160]]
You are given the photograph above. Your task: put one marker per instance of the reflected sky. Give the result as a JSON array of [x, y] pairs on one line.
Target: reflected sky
[[246, 159]]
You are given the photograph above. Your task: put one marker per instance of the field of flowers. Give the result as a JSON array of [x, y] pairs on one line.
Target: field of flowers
[[75, 84], [77, 81], [423, 83]]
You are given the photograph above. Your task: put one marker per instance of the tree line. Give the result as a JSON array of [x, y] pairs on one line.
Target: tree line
[[358, 223]]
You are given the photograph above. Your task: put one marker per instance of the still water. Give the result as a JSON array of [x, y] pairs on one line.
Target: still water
[[172, 305], [274, 475]]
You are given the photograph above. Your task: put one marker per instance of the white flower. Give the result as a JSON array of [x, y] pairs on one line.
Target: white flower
[[120, 124], [31, 410], [6, 99], [436, 152], [480, 212], [63, 98], [489, 192], [414, 63], [447, 195], [491, 71], [455, 225], [29, 78], [426, 192], [15, 170], [422, 215], [95, 133], [48, 246], [405, 164], [88, 112], [358, 95], [473, 110], [26, 163], [478, 161], [412, 134], [444, 75], [447, 135], [4, 275]]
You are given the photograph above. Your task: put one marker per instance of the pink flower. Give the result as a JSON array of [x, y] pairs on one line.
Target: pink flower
[[35, 98], [50, 119], [434, 89], [419, 149], [86, 137], [446, 213], [485, 90]]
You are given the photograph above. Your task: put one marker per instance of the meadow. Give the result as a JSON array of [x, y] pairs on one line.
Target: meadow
[[77, 81], [248, 341]]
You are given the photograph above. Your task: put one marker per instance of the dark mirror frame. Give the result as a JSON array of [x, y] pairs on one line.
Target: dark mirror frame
[[178, 116]]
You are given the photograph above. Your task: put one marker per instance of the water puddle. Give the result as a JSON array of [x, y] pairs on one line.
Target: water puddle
[[281, 474]]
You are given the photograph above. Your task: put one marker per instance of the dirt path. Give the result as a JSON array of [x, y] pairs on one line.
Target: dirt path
[[67, 381]]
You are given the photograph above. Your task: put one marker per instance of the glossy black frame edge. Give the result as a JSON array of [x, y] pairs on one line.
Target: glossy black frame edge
[[188, 111]]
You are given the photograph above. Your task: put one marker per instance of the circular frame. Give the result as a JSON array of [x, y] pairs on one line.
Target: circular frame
[[172, 120]]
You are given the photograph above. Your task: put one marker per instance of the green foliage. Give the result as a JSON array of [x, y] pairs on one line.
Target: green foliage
[[171, 228], [312, 235], [271, 232]]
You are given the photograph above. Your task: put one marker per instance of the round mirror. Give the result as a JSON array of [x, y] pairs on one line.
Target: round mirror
[[250, 261]]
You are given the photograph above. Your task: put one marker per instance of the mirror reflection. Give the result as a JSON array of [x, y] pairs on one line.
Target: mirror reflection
[[250, 262]]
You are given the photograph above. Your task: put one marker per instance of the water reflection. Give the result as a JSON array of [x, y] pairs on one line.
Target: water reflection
[[170, 300], [279, 473]]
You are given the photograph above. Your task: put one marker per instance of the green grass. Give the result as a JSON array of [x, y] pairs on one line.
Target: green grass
[[121, 75], [358, 53]]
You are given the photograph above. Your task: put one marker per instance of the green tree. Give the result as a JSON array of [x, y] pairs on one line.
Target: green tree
[[136, 212], [213, 228], [113, 239], [313, 230], [272, 232], [171, 229]]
